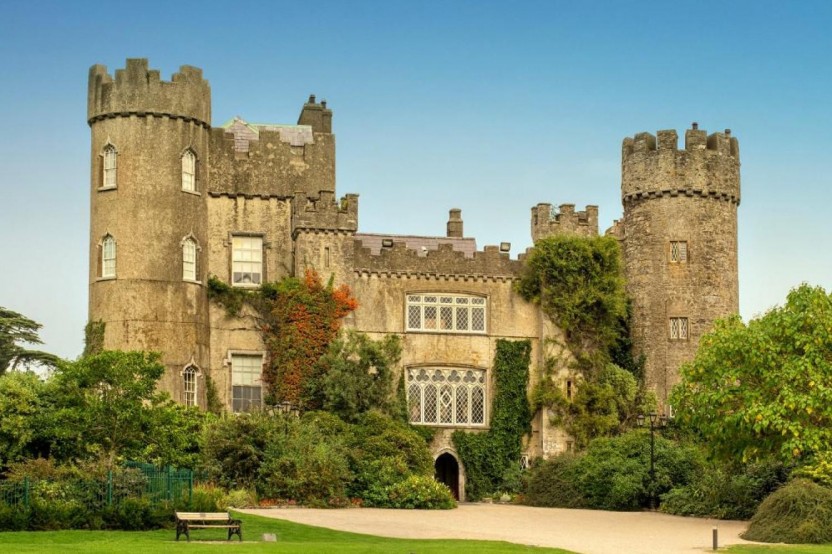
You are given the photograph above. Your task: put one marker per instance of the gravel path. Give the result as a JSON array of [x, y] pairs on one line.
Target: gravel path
[[582, 531]]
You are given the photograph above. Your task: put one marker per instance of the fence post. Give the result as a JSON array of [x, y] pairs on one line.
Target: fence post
[[110, 488], [25, 492]]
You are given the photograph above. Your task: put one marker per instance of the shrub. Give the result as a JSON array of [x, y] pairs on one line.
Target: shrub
[[206, 498], [13, 518], [421, 492], [233, 448], [818, 469], [238, 498], [553, 483], [799, 512], [732, 491]]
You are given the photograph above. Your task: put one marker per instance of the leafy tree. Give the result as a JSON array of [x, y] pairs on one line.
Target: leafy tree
[[14, 329], [355, 375], [22, 415], [765, 388]]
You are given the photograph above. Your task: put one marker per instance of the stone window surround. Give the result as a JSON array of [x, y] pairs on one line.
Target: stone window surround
[[678, 328], [230, 245], [109, 153], [678, 252], [194, 175], [486, 390], [193, 370], [228, 363], [445, 293], [102, 252], [197, 249]]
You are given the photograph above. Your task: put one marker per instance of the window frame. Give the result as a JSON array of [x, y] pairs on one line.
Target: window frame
[[458, 302], [261, 261], [190, 241], [103, 272], [109, 154], [238, 355], [419, 379], [189, 155], [679, 252], [679, 328], [190, 398]]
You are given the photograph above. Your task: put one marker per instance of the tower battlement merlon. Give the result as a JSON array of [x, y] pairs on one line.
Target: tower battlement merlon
[[563, 221], [324, 212], [139, 91], [316, 115], [707, 166]]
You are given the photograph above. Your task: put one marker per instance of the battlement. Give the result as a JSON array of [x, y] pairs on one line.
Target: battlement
[[565, 221], [708, 166], [139, 91], [324, 213], [444, 262]]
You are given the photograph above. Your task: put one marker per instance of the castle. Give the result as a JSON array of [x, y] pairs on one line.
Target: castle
[[174, 200]]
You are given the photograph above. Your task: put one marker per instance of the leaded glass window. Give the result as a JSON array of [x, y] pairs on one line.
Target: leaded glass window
[[108, 257], [679, 251], [447, 313], [446, 396], [678, 328]]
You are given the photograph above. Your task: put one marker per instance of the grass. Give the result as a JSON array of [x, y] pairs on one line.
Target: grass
[[778, 548], [291, 537]]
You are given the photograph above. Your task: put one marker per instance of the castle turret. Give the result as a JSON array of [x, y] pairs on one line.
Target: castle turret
[[679, 236], [566, 221], [148, 241]]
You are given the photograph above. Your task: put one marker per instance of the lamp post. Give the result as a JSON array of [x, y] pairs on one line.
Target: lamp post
[[656, 422]]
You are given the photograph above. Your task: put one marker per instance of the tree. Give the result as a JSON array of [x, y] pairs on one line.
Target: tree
[[765, 388], [354, 376], [16, 328], [23, 411]]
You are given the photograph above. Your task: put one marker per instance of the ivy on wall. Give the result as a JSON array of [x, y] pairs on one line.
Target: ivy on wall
[[298, 318], [579, 285], [492, 458]]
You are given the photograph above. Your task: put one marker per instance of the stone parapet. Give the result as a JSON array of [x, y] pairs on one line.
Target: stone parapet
[[324, 213], [139, 91], [565, 221]]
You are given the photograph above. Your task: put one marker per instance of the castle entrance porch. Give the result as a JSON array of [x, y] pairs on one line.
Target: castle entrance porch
[[447, 471]]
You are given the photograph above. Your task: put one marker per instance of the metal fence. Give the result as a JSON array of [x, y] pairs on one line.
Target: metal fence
[[158, 485]]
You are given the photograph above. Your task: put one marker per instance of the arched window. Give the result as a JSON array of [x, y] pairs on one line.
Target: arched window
[[446, 396], [189, 385], [189, 259], [189, 171], [108, 256], [110, 155]]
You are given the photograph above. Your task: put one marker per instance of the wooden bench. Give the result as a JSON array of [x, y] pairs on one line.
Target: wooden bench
[[185, 521]]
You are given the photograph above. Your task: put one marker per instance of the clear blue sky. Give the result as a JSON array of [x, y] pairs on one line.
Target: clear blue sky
[[491, 107]]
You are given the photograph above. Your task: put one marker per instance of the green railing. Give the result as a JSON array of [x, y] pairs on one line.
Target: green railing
[[158, 485]]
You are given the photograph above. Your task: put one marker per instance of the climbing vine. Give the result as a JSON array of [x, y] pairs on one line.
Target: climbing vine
[[298, 318], [492, 458], [579, 285]]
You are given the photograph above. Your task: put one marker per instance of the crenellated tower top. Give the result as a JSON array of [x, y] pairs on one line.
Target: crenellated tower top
[[139, 91], [564, 221], [653, 165]]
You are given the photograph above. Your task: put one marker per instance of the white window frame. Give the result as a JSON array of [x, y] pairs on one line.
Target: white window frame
[[246, 376], [453, 391], [109, 167], [246, 260], [439, 312], [679, 251], [108, 257], [190, 259], [679, 328], [189, 162], [189, 385]]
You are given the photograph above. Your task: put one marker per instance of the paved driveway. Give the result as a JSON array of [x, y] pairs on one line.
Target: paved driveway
[[583, 531]]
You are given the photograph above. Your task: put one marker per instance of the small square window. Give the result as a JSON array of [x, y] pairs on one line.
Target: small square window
[[678, 328], [679, 251]]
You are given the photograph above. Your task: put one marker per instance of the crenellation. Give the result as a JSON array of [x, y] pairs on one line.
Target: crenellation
[[324, 212], [547, 222], [667, 140]]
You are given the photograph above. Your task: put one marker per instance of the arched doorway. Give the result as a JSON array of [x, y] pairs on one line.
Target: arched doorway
[[447, 471]]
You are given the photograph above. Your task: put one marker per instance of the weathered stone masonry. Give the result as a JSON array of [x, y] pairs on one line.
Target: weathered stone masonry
[[264, 207]]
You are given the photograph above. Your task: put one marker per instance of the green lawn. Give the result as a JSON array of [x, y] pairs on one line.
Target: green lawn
[[777, 549], [291, 537]]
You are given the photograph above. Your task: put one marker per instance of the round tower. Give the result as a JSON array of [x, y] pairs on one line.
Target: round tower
[[679, 243], [148, 238]]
